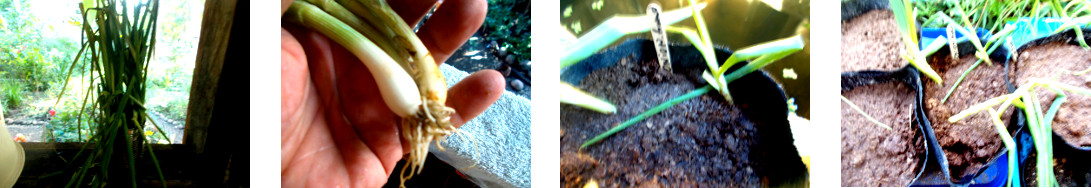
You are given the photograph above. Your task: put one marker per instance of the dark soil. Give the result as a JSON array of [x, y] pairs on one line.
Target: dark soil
[[1063, 62], [874, 156], [1071, 168], [972, 141], [871, 42], [702, 142]]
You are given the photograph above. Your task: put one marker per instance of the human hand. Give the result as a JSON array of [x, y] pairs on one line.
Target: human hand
[[335, 128]]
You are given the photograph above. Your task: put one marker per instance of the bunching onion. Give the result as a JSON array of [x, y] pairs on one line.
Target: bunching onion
[[120, 40], [1039, 123], [759, 55], [408, 78]]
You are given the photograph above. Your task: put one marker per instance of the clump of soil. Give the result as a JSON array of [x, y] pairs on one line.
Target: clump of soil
[[871, 42], [972, 141], [871, 155], [1065, 63], [701, 142]]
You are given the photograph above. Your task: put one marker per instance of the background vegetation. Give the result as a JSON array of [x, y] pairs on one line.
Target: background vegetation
[[38, 41]]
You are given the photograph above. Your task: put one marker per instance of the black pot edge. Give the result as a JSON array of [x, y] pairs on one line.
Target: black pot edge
[[635, 47], [1067, 37], [908, 75], [853, 8]]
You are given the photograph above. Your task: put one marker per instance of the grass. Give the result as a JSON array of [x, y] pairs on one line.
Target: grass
[[13, 94]]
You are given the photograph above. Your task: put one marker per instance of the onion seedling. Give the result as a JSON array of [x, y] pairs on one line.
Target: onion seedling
[[1038, 124], [613, 29], [903, 14], [575, 96], [866, 116], [408, 78], [601, 36]]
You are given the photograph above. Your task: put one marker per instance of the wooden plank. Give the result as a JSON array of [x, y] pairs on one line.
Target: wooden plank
[[46, 161], [215, 32]]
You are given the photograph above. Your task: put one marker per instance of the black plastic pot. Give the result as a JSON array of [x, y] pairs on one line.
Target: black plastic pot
[[935, 171], [990, 175], [763, 102], [1023, 139], [1068, 37], [910, 77]]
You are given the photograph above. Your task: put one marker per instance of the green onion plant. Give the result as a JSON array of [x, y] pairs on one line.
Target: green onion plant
[[602, 36], [906, 21], [120, 43], [1039, 123]]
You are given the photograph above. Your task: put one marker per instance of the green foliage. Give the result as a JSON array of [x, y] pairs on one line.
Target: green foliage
[[12, 94], [508, 23], [25, 53], [174, 108], [65, 126]]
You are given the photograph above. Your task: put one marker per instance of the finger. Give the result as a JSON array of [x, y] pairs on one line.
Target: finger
[[412, 11], [451, 25], [474, 94]]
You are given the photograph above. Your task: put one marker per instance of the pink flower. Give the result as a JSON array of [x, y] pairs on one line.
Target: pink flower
[[52, 112]]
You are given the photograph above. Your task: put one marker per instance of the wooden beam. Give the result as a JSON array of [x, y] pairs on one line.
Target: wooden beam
[[215, 32], [47, 161]]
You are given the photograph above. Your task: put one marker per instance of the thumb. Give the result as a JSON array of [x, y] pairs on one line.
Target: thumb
[[474, 94]]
